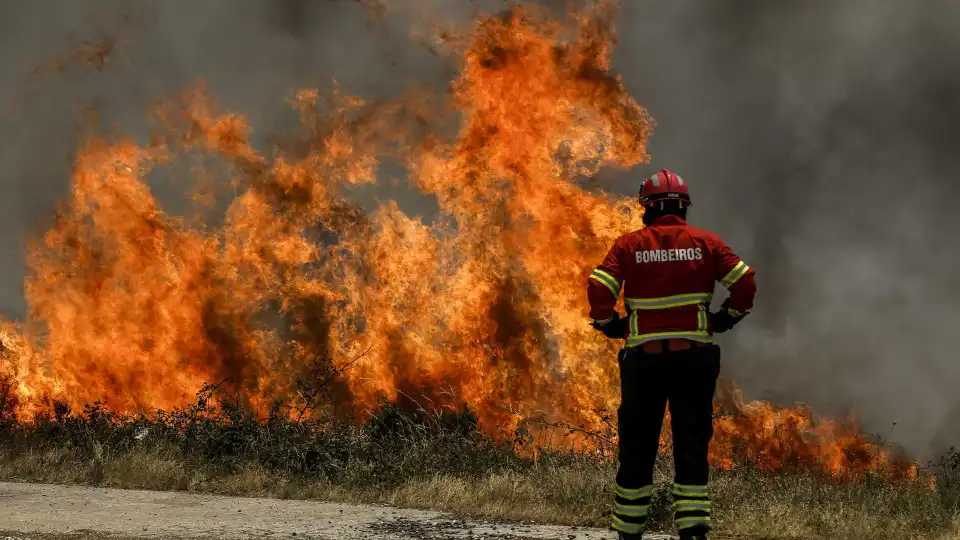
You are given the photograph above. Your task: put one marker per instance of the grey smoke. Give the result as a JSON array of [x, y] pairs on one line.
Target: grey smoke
[[818, 137], [820, 140]]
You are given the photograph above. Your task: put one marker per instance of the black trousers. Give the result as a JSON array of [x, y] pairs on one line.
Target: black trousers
[[687, 381]]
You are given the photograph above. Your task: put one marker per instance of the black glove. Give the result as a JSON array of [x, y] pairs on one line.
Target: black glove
[[615, 328], [724, 319]]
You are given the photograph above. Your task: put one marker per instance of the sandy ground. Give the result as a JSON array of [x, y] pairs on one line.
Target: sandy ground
[[36, 512]]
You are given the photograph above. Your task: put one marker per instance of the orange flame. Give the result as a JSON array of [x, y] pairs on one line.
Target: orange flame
[[486, 306]]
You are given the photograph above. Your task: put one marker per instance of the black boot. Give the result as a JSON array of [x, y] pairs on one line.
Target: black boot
[[629, 536], [693, 536]]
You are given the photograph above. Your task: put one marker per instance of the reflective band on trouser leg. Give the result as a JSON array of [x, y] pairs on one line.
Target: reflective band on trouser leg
[[607, 280], [630, 509], [691, 507], [734, 275]]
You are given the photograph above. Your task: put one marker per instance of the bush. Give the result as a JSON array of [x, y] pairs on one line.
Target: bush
[[445, 460], [390, 446]]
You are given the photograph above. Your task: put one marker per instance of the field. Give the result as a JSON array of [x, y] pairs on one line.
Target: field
[[478, 305], [443, 461]]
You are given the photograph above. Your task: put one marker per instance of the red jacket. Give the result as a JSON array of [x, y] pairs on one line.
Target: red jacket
[[667, 272]]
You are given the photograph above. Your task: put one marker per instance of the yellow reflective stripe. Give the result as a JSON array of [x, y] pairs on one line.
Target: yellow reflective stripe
[[603, 322], [680, 506], [734, 275], [633, 340], [607, 280], [613, 290], [700, 334], [626, 493], [601, 273], [736, 313], [692, 521], [631, 511], [685, 491], [666, 302], [689, 488], [629, 528]]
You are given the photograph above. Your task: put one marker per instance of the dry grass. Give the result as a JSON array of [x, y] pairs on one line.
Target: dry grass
[[748, 505], [443, 461], [802, 505]]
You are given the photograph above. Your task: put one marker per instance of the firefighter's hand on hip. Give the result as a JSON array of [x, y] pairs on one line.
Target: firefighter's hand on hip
[[726, 318], [614, 327]]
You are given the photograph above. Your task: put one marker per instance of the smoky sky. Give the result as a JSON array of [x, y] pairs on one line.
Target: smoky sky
[[820, 140], [818, 137]]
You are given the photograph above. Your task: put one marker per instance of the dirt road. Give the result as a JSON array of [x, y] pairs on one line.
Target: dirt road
[[34, 511]]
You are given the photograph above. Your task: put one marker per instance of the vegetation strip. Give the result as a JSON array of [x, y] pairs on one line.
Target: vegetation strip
[[444, 461]]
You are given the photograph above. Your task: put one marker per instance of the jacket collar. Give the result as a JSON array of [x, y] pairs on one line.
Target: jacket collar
[[669, 220]]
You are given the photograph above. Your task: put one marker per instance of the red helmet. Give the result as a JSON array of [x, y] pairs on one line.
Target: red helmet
[[665, 185]]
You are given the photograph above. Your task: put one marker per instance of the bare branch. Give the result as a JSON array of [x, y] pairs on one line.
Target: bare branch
[[566, 426], [309, 400]]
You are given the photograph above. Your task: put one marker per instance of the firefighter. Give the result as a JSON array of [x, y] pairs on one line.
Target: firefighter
[[667, 273]]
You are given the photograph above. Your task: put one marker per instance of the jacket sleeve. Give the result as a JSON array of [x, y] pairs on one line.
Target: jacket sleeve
[[604, 285], [736, 277]]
